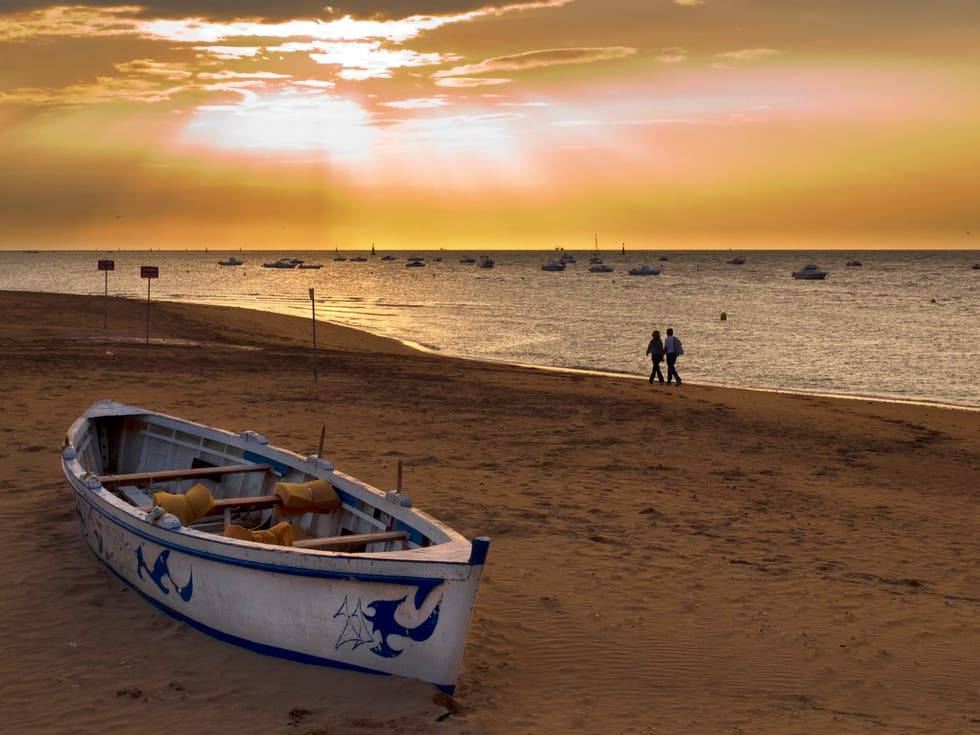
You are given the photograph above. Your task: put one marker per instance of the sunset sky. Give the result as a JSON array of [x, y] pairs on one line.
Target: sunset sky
[[492, 123]]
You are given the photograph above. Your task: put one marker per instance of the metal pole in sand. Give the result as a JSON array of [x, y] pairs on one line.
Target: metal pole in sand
[[105, 266], [313, 305], [148, 272]]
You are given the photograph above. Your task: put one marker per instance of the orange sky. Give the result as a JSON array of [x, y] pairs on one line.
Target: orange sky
[[518, 123]]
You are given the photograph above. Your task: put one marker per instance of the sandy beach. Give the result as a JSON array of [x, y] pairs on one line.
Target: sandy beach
[[687, 560]]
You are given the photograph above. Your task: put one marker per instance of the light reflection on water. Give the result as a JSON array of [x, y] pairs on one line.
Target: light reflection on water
[[869, 331]]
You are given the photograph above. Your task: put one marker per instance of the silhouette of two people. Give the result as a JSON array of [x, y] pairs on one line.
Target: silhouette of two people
[[660, 350]]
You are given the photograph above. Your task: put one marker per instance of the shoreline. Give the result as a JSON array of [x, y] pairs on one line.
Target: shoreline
[[419, 347]]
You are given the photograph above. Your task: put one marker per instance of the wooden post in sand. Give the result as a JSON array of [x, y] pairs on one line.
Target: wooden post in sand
[[398, 485], [149, 272], [313, 305], [323, 435]]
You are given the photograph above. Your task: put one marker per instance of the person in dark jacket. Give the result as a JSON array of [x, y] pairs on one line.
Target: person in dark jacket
[[656, 351], [672, 350]]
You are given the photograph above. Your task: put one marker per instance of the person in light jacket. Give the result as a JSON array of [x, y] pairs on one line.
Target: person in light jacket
[[656, 351], [672, 349]]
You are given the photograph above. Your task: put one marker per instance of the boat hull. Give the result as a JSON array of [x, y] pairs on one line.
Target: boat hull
[[361, 612]]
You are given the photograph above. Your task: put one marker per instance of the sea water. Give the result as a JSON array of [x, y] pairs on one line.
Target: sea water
[[905, 325]]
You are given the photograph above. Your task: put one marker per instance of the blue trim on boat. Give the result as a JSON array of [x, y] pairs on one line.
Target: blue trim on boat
[[413, 534], [282, 469], [479, 548], [261, 648], [264, 566]]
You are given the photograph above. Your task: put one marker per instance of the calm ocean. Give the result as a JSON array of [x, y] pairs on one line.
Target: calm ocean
[[870, 331]]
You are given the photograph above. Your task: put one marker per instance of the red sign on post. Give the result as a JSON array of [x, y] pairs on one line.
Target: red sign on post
[[107, 265], [149, 271]]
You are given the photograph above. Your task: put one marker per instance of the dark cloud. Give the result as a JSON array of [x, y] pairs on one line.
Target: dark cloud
[[269, 9]]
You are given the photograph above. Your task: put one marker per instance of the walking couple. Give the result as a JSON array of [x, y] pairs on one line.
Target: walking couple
[[670, 348]]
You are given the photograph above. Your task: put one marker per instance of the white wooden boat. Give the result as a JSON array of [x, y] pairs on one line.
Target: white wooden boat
[[368, 584]]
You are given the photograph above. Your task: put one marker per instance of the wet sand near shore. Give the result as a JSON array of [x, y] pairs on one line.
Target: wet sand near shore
[[664, 560]]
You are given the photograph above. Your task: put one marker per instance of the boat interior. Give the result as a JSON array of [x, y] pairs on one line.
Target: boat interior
[[224, 484]]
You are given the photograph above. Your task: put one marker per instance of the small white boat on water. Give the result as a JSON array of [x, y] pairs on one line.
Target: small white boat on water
[[645, 270], [663, 259], [553, 266], [310, 266], [737, 261], [358, 259], [854, 263], [231, 261], [810, 272], [467, 260], [595, 260], [414, 263], [388, 257], [566, 259], [282, 263], [266, 549], [600, 268], [486, 262]]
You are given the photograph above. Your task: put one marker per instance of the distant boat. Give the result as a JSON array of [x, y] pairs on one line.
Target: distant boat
[[358, 259], [310, 266], [553, 266], [645, 270], [976, 266], [338, 258], [372, 249], [437, 259], [231, 261], [281, 263], [416, 259], [295, 261], [388, 257], [737, 261], [415, 264], [600, 268], [663, 258], [854, 263], [566, 258], [485, 262], [595, 260], [810, 272], [467, 260], [623, 251]]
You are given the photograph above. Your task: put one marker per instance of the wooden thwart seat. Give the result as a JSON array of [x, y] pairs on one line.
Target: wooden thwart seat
[[356, 538], [256, 503], [168, 475]]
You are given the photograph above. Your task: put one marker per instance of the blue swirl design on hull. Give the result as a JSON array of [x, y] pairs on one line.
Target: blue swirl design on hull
[[161, 572], [375, 622]]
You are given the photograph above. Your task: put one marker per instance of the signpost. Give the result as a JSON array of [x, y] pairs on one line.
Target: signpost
[[106, 266], [149, 272], [313, 305]]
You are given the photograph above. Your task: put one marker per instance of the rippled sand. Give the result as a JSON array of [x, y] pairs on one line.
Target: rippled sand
[[694, 560]]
